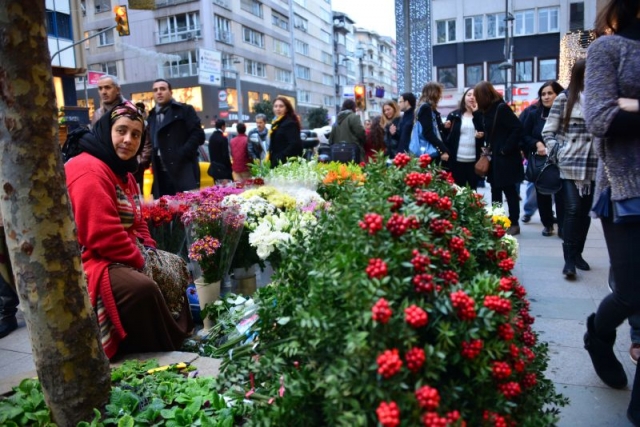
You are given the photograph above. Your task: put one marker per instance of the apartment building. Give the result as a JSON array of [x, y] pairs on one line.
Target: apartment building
[[63, 25], [267, 49], [469, 44]]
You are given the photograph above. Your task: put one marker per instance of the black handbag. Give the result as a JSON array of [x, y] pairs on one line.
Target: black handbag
[[345, 152], [535, 163], [548, 181], [219, 171]]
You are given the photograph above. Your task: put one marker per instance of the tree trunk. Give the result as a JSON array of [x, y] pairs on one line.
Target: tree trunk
[[41, 238]]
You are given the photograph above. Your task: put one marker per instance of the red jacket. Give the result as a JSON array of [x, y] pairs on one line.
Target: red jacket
[[240, 154], [109, 221]]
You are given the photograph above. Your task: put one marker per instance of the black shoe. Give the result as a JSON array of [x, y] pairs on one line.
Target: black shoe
[[514, 230], [581, 263], [547, 231], [7, 326], [604, 360], [526, 218]]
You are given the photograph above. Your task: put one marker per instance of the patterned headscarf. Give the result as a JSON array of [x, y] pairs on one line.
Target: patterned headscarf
[[126, 109]]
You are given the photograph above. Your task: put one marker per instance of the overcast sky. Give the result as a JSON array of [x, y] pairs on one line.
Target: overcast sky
[[377, 15]]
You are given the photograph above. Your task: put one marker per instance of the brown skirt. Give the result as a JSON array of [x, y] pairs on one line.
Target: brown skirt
[[144, 315]]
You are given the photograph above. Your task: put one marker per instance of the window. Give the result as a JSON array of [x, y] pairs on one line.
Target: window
[[223, 30], [302, 3], [547, 69], [327, 58], [473, 28], [253, 98], [325, 36], [185, 26], [329, 101], [304, 96], [254, 7], [106, 67], [496, 75], [303, 72], [103, 6], [576, 16], [302, 47], [255, 68], [283, 76], [448, 77], [300, 23], [495, 25], [524, 22], [87, 42], [524, 71], [187, 65], [548, 20], [446, 31], [473, 74], [252, 37], [281, 48], [105, 39], [279, 20], [326, 15], [59, 25], [327, 79]]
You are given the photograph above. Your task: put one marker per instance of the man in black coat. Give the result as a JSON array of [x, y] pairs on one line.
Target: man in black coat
[[407, 104], [176, 134], [220, 166]]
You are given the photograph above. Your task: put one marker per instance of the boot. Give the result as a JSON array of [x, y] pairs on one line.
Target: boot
[[580, 262], [569, 269], [605, 362], [633, 413]]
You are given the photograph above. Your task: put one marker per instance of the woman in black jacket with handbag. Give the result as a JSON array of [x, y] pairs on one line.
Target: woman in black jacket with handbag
[[284, 136], [429, 117], [503, 132], [466, 136]]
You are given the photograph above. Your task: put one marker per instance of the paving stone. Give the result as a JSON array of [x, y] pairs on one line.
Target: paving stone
[[562, 308], [593, 407], [207, 366]]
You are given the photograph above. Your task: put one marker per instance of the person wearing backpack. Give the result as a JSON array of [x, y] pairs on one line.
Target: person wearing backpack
[[348, 127]]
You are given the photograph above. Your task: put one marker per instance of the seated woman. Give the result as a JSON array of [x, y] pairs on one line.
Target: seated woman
[[105, 199]]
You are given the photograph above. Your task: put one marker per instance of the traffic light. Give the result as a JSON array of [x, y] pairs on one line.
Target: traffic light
[[360, 94], [122, 20]]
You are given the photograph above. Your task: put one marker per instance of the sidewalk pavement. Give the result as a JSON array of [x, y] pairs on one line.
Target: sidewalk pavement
[[559, 306]]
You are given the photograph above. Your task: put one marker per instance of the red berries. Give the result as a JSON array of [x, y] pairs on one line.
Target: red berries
[[530, 380], [506, 264], [497, 304], [398, 224], [397, 202], [423, 283], [464, 305], [471, 349], [499, 231], [428, 398], [389, 363], [444, 204], [372, 223], [426, 197], [401, 160], [388, 413], [506, 332], [417, 179], [440, 226], [415, 359], [510, 390], [415, 316], [501, 370], [424, 160], [381, 312], [420, 262], [377, 268]]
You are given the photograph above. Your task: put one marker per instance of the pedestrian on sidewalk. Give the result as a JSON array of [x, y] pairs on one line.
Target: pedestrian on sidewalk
[[576, 158], [503, 132], [240, 154], [611, 111]]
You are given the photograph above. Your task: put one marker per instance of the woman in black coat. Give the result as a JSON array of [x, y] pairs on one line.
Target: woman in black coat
[[390, 117], [284, 136], [466, 128], [503, 132], [220, 166]]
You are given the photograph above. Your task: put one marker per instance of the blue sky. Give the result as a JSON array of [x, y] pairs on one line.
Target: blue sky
[[377, 15]]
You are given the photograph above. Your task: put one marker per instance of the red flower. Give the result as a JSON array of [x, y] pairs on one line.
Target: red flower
[[471, 350], [388, 414], [389, 363], [381, 312], [464, 305], [499, 231], [415, 359], [377, 268], [401, 160], [428, 397], [506, 264], [372, 222], [415, 316]]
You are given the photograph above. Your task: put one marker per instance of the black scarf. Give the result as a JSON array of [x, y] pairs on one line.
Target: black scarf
[[98, 143]]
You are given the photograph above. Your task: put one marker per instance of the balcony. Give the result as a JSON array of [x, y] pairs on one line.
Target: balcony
[[183, 70], [167, 3], [224, 36], [181, 35]]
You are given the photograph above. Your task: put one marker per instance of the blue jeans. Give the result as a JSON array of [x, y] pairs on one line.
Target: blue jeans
[[530, 202]]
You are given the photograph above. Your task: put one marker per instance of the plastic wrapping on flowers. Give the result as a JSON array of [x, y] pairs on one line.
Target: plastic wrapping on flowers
[[164, 220], [401, 310]]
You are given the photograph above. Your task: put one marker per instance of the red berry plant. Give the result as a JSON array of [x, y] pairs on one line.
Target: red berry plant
[[400, 309]]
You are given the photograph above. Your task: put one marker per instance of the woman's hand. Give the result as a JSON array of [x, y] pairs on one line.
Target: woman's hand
[[628, 104], [392, 129], [445, 157], [447, 124], [541, 149], [479, 135]]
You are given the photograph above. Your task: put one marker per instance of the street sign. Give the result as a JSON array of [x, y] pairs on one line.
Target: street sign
[[210, 67], [348, 91]]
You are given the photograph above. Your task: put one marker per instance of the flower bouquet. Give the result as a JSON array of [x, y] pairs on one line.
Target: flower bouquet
[[213, 231], [164, 219]]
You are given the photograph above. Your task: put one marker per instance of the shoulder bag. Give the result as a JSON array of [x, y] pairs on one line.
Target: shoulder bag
[[535, 163], [548, 181], [418, 144], [483, 164]]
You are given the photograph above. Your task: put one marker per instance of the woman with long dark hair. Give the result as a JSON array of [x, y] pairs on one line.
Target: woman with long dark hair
[[503, 132], [577, 161], [611, 110], [284, 135], [429, 117], [375, 139], [534, 144], [465, 139]]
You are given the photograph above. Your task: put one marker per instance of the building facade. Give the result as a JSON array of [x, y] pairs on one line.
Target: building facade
[[268, 48]]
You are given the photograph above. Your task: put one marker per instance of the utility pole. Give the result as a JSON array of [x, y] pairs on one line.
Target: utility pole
[[507, 65]]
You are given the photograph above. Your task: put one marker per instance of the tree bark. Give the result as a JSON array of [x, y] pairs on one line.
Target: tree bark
[[41, 237]]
